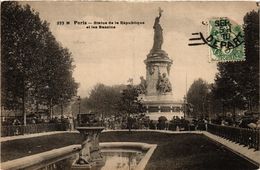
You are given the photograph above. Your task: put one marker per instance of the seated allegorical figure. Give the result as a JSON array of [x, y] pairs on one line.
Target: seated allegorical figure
[[164, 85]]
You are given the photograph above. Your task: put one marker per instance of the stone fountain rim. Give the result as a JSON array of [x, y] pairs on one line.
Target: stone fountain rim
[[41, 158]]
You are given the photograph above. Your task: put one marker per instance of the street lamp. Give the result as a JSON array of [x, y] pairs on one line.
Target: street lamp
[[48, 94], [79, 101], [61, 105], [185, 106]]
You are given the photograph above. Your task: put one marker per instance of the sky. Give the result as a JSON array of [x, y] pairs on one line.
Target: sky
[[112, 56]]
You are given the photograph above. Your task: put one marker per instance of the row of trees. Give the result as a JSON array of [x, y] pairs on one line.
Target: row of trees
[[198, 98], [112, 100], [236, 84], [102, 99], [36, 70]]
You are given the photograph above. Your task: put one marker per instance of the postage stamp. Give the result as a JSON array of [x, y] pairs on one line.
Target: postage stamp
[[226, 40]]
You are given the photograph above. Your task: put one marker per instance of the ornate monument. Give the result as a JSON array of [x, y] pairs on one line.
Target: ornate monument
[[157, 88]]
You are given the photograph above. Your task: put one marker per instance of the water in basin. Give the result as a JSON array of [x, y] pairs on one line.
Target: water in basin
[[115, 159], [121, 159]]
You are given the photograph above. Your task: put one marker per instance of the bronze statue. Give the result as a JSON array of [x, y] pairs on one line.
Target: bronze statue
[[158, 35]]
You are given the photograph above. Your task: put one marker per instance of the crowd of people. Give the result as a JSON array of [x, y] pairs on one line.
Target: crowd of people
[[142, 121], [245, 121], [34, 120]]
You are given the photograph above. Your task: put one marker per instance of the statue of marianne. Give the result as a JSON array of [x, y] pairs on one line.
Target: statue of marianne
[[158, 35]]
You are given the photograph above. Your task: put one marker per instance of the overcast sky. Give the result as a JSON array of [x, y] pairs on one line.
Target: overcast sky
[[112, 56]]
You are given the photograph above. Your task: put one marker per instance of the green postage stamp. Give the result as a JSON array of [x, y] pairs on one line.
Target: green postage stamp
[[226, 39]]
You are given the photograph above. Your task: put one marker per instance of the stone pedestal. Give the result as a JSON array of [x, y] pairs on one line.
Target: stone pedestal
[[157, 64], [90, 155], [159, 105], [155, 100]]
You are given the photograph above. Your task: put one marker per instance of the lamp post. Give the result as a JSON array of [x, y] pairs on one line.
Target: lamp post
[[79, 101], [50, 109], [185, 107], [61, 105]]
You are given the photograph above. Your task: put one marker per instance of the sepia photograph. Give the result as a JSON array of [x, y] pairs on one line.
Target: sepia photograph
[[130, 85]]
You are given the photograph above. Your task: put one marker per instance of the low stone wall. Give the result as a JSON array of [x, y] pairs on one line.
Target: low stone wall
[[43, 159], [40, 160]]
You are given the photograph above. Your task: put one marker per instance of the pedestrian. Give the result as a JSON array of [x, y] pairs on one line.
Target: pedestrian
[[71, 125]]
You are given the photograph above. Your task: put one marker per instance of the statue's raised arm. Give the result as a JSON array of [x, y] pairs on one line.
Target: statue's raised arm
[[160, 12]]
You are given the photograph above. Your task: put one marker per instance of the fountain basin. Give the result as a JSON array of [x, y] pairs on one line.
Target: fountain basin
[[148, 150], [55, 156]]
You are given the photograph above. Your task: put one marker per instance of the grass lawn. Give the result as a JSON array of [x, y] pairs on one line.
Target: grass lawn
[[174, 151], [183, 151], [25, 147]]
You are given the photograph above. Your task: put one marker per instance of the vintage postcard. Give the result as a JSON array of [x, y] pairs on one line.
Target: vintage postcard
[[129, 85]]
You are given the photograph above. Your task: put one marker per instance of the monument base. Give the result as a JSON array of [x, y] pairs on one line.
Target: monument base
[[162, 105], [168, 115]]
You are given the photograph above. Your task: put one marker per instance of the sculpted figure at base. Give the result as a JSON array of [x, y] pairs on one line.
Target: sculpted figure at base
[[84, 155], [163, 85], [143, 86]]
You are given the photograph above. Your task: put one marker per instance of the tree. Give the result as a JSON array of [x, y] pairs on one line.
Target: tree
[[250, 69], [34, 65], [62, 86], [21, 28], [237, 84], [197, 96], [104, 99], [226, 89], [130, 103]]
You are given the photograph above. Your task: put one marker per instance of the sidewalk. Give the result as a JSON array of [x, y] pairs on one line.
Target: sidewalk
[[249, 154], [8, 138]]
